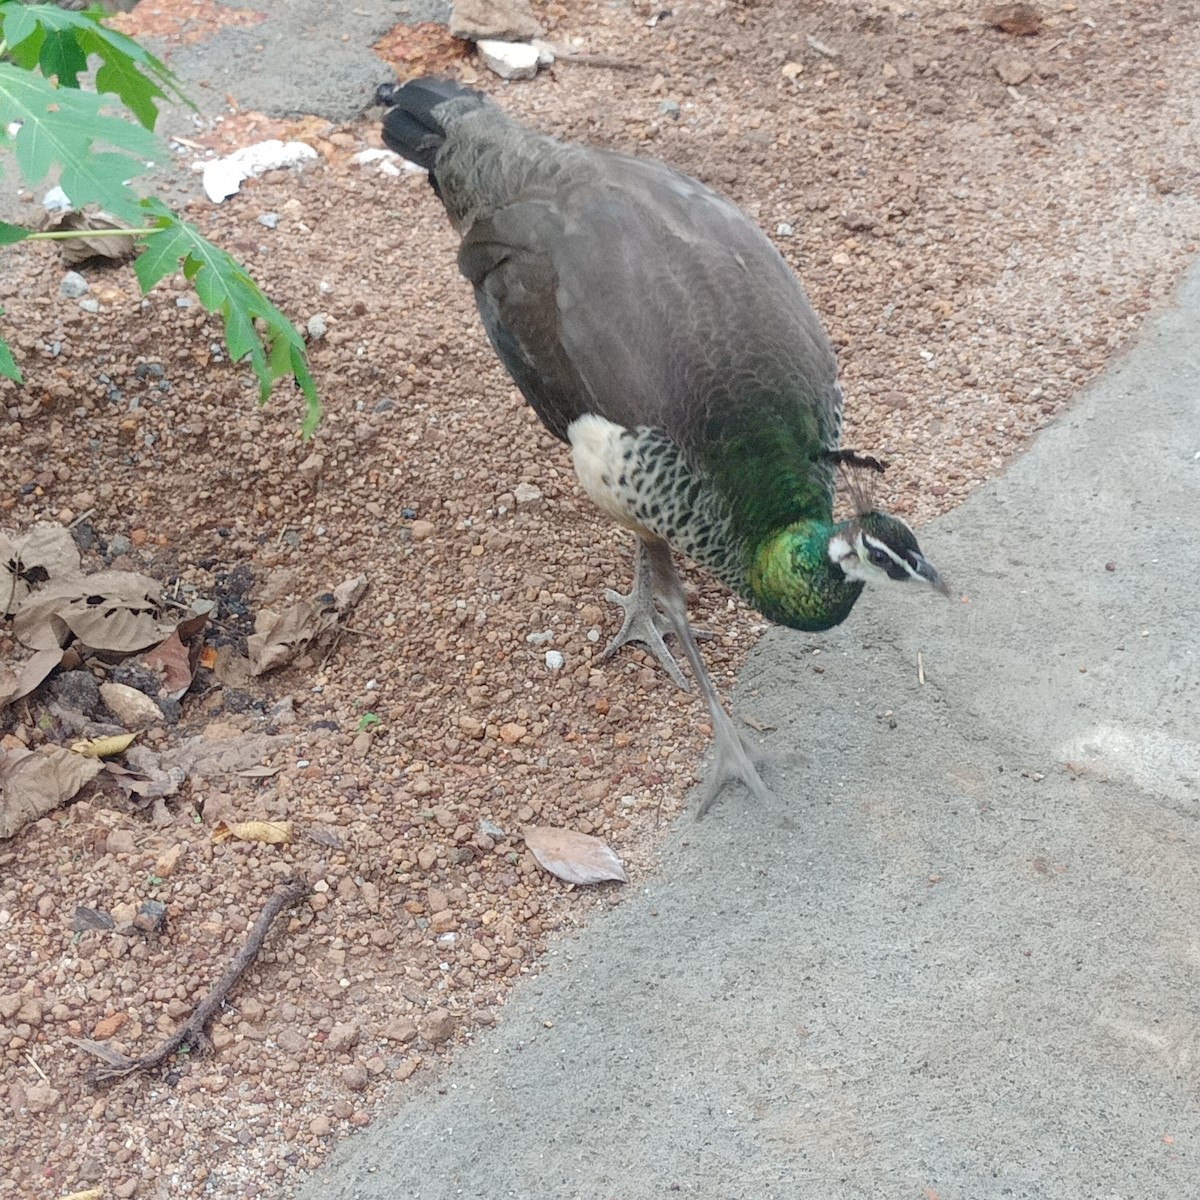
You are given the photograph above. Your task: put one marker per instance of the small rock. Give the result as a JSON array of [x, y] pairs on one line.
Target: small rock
[[422, 530], [40, 1097], [270, 220], [437, 1026], [471, 727], [508, 20], [10, 1005], [73, 286], [151, 917], [30, 1012], [310, 469], [117, 546], [355, 1077], [443, 921], [491, 829], [292, 1041], [320, 1127], [362, 744], [76, 690], [342, 1037], [317, 326], [1020, 20], [670, 108], [509, 60], [1013, 69], [427, 858], [785, 229], [89, 304], [555, 660], [107, 1027], [119, 841], [511, 733], [400, 1029], [133, 709], [527, 493]]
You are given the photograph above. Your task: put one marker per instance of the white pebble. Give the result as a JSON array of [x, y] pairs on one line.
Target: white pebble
[[555, 660]]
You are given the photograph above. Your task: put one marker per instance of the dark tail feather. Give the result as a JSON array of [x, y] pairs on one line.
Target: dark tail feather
[[410, 126]]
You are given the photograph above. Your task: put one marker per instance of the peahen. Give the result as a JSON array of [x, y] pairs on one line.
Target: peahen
[[654, 327]]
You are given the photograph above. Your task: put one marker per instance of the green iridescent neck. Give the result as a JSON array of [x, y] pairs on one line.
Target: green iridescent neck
[[792, 580]]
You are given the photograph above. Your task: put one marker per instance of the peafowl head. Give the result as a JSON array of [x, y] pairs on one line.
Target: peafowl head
[[876, 547]]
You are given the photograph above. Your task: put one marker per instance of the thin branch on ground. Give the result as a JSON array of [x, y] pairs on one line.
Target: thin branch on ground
[[193, 1031]]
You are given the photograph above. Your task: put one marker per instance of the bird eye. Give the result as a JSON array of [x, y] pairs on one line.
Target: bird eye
[[878, 557]]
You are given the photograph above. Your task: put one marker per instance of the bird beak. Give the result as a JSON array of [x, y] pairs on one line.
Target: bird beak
[[927, 571]]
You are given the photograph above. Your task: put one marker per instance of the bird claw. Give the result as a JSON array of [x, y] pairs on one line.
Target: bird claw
[[646, 625], [736, 759]]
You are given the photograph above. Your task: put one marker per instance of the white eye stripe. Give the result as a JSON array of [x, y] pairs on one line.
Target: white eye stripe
[[876, 544]]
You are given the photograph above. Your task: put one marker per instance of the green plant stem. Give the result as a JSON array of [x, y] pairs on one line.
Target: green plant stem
[[63, 235]]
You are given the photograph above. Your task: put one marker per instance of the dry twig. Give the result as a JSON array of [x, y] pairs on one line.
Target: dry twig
[[193, 1031]]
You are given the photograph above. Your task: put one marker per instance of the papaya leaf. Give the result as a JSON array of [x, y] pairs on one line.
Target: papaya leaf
[[224, 286], [8, 364], [61, 42], [62, 126]]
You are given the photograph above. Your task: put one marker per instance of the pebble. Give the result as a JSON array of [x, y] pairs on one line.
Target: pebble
[[422, 530], [89, 305], [509, 60], [355, 1077], [342, 1037], [73, 285], [317, 326], [555, 660], [437, 1026], [269, 219]]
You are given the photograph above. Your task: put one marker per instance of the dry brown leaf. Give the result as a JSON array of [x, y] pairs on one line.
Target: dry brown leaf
[[80, 249], [86, 1194], [33, 783], [172, 660], [42, 554], [10, 681], [200, 757], [278, 639], [274, 833], [104, 747], [575, 857], [31, 675], [110, 610]]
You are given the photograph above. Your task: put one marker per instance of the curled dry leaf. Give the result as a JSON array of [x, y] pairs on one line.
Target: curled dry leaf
[[42, 554], [278, 639], [173, 661], [104, 747], [80, 249], [15, 685], [33, 783], [120, 611], [87, 1194], [575, 857], [274, 833]]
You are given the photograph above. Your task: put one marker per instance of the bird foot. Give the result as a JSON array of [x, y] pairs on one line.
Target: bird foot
[[736, 759], [646, 625]]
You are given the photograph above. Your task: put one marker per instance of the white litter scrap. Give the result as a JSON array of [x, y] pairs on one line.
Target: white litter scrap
[[390, 163], [222, 177]]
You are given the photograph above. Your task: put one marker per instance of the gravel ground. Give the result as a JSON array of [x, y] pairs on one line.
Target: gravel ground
[[978, 250]]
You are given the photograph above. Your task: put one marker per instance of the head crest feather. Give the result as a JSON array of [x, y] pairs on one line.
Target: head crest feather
[[860, 473]]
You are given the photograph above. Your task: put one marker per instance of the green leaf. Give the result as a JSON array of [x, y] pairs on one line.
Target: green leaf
[[8, 364], [12, 233], [60, 125], [61, 42], [225, 287]]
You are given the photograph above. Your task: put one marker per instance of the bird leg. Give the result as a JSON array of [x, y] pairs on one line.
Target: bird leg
[[643, 621], [733, 753]]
